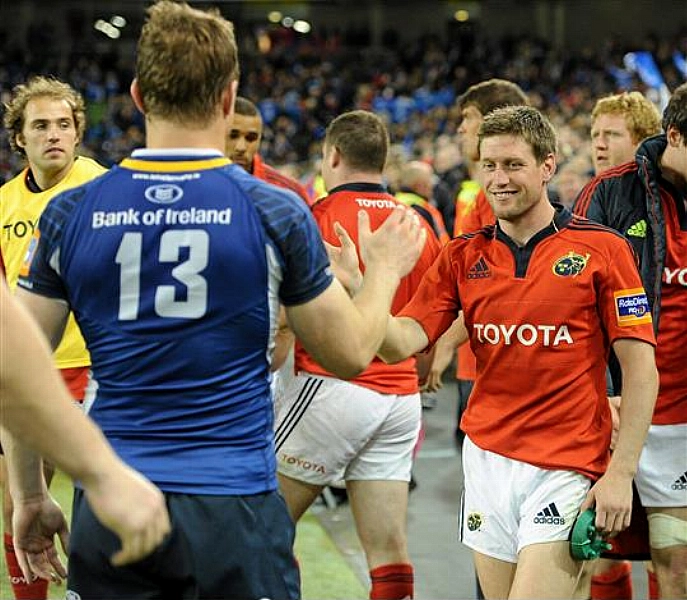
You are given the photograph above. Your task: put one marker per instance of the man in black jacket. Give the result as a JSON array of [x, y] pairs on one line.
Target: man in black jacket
[[646, 200]]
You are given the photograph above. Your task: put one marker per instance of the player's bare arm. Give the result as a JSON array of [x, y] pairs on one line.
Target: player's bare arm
[[444, 349], [612, 494], [404, 337], [38, 409]]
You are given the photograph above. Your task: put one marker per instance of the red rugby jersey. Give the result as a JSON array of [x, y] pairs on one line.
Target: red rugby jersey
[[541, 319], [269, 174], [473, 217], [342, 205], [671, 405]]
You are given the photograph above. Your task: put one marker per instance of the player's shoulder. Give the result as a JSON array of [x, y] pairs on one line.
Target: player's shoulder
[[89, 166], [586, 227], [271, 201], [15, 183], [474, 239], [597, 237], [611, 186]]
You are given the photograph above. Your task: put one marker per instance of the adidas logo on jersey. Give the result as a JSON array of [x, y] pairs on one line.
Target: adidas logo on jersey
[[549, 515], [480, 270], [680, 482], [638, 229]]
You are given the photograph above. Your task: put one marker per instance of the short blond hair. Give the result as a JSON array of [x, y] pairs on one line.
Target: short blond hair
[[641, 116], [185, 59], [41, 87]]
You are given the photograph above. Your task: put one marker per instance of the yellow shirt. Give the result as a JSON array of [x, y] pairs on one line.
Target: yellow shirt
[[20, 209]]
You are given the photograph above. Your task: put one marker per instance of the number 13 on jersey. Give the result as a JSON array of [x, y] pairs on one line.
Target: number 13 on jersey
[[186, 272]]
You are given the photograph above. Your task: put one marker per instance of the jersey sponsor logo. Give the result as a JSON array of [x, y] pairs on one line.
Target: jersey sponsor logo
[[525, 334], [570, 265], [161, 216], [631, 307], [672, 276], [164, 193], [480, 270], [375, 203], [18, 230], [474, 521], [30, 253], [638, 229], [549, 515], [681, 482], [302, 463]]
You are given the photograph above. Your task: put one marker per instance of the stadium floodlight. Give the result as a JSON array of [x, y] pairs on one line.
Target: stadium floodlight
[[118, 21], [107, 28], [301, 26]]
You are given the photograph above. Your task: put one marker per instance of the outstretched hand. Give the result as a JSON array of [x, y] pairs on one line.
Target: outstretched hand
[[396, 244], [35, 523]]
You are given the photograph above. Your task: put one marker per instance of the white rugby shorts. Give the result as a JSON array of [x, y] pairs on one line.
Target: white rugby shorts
[[328, 430], [509, 504], [661, 477]]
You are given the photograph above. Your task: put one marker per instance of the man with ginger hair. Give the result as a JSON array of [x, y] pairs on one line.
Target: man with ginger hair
[[645, 200], [619, 124]]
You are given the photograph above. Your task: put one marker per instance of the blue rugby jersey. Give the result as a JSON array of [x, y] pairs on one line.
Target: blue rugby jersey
[[174, 263]]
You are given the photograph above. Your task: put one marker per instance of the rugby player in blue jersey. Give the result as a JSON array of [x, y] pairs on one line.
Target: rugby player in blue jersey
[[175, 263]]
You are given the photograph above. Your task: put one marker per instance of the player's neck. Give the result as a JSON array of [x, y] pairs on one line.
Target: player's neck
[[670, 169], [44, 180], [162, 134], [524, 227]]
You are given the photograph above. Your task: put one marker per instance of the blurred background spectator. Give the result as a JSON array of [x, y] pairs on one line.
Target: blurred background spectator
[[301, 74]]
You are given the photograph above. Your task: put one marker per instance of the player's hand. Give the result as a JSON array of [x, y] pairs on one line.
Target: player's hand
[[396, 244], [344, 260], [441, 358], [133, 508], [611, 497], [35, 523]]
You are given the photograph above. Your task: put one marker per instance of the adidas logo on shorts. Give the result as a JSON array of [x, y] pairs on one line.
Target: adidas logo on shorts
[[680, 482], [549, 515]]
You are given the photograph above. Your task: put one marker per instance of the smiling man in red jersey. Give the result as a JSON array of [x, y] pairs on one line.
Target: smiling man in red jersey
[[544, 295]]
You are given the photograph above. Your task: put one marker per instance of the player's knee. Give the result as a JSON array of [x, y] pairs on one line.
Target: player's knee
[[666, 531]]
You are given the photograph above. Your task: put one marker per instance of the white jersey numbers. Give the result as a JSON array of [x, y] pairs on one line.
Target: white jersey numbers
[[186, 272]]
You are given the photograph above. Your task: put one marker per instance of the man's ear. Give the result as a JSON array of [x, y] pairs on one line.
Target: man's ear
[[136, 96], [335, 159], [228, 100], [549, 168], [20, 141], [674, 136]]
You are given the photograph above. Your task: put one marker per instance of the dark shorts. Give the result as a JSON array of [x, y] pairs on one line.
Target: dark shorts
[[220, 547]]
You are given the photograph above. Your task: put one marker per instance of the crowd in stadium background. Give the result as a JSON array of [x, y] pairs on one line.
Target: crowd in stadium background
[[302, 83]]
